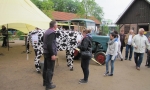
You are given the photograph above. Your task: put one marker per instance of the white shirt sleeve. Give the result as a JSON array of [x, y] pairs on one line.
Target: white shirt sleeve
[[115, 51], [133, 41]]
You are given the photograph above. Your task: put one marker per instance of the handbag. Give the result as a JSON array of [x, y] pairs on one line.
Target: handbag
[[86, 54]]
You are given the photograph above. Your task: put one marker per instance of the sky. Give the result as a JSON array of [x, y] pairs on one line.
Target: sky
[[113, 8]]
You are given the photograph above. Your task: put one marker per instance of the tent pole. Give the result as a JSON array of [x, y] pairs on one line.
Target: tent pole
[[7, 38]]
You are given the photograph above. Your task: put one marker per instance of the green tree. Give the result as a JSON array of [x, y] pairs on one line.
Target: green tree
[[44, 5], [98, 12], [83, 8], [37, 3], [90, 8], [105, 29], [47, 7], [70, 6]]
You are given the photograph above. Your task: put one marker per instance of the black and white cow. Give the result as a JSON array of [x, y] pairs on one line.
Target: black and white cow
[[66, 41], [35, 37]]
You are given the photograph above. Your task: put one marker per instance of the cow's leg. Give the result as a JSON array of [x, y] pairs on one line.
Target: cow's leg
[[37, 60], [67, 57], [70, 56]]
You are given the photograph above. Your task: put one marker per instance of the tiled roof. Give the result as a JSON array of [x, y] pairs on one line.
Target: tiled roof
[[68, 16]]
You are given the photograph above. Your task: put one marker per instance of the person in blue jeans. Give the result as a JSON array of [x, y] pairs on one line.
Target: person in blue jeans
[[86, 45], [111, 53], [128, 42], [140, 43]]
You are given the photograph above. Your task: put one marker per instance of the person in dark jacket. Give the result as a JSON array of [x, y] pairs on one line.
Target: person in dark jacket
[[86, 45], [4, 33], [122, 40], [50, 52], [148, 56]]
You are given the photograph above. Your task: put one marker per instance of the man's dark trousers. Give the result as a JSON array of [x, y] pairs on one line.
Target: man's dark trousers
[[138, 57], [48, 69], [127, 51]]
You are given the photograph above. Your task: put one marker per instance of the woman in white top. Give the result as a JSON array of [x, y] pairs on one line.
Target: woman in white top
[[119, 46], [111, 53]]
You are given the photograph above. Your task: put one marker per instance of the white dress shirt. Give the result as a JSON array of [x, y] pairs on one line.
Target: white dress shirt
[[130, 40]]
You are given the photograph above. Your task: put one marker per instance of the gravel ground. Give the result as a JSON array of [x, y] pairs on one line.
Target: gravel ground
[[17, 73]]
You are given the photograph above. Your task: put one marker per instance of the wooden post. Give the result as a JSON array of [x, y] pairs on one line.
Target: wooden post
[[7, 38]]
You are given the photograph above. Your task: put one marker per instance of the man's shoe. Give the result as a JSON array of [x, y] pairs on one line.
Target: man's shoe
[[138, 68], [39, 72], [146, 65], [121, 59], [44, 84], [51, 87], [83, 81], [129, 59], [106, 74], [110, 75]]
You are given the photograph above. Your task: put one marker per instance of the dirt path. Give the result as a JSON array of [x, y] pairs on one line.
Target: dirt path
[[17, 73]]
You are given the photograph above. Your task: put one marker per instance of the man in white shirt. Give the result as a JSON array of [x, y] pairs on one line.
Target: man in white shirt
[[140, 42], [128, 43]]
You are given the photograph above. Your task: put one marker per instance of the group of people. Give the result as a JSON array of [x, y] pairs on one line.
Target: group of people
[[50, 52], [139, 43], [48, 42], [47, 46]]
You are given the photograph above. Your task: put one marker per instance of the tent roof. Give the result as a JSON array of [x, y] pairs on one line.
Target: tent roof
[[22, 12]]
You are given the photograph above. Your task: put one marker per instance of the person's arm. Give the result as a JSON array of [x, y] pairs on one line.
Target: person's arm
[[115, 51], [133, 42], [147, 42], [51, 45], [125, 39], [84, 45], [107, 50]]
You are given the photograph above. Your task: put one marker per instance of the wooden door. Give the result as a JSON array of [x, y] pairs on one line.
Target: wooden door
[[126, 29]]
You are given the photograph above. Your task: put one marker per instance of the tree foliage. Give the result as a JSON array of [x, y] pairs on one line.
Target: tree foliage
[[105, 29], [83, 8], [65, 6], [44, 5], [90, 8]]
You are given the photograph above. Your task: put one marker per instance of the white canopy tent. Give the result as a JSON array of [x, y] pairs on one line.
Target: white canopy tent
[[22, 15]]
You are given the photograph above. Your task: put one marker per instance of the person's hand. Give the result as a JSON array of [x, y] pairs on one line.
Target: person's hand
[[27, 51], [79, 41], [53, 57], [136, 47]]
